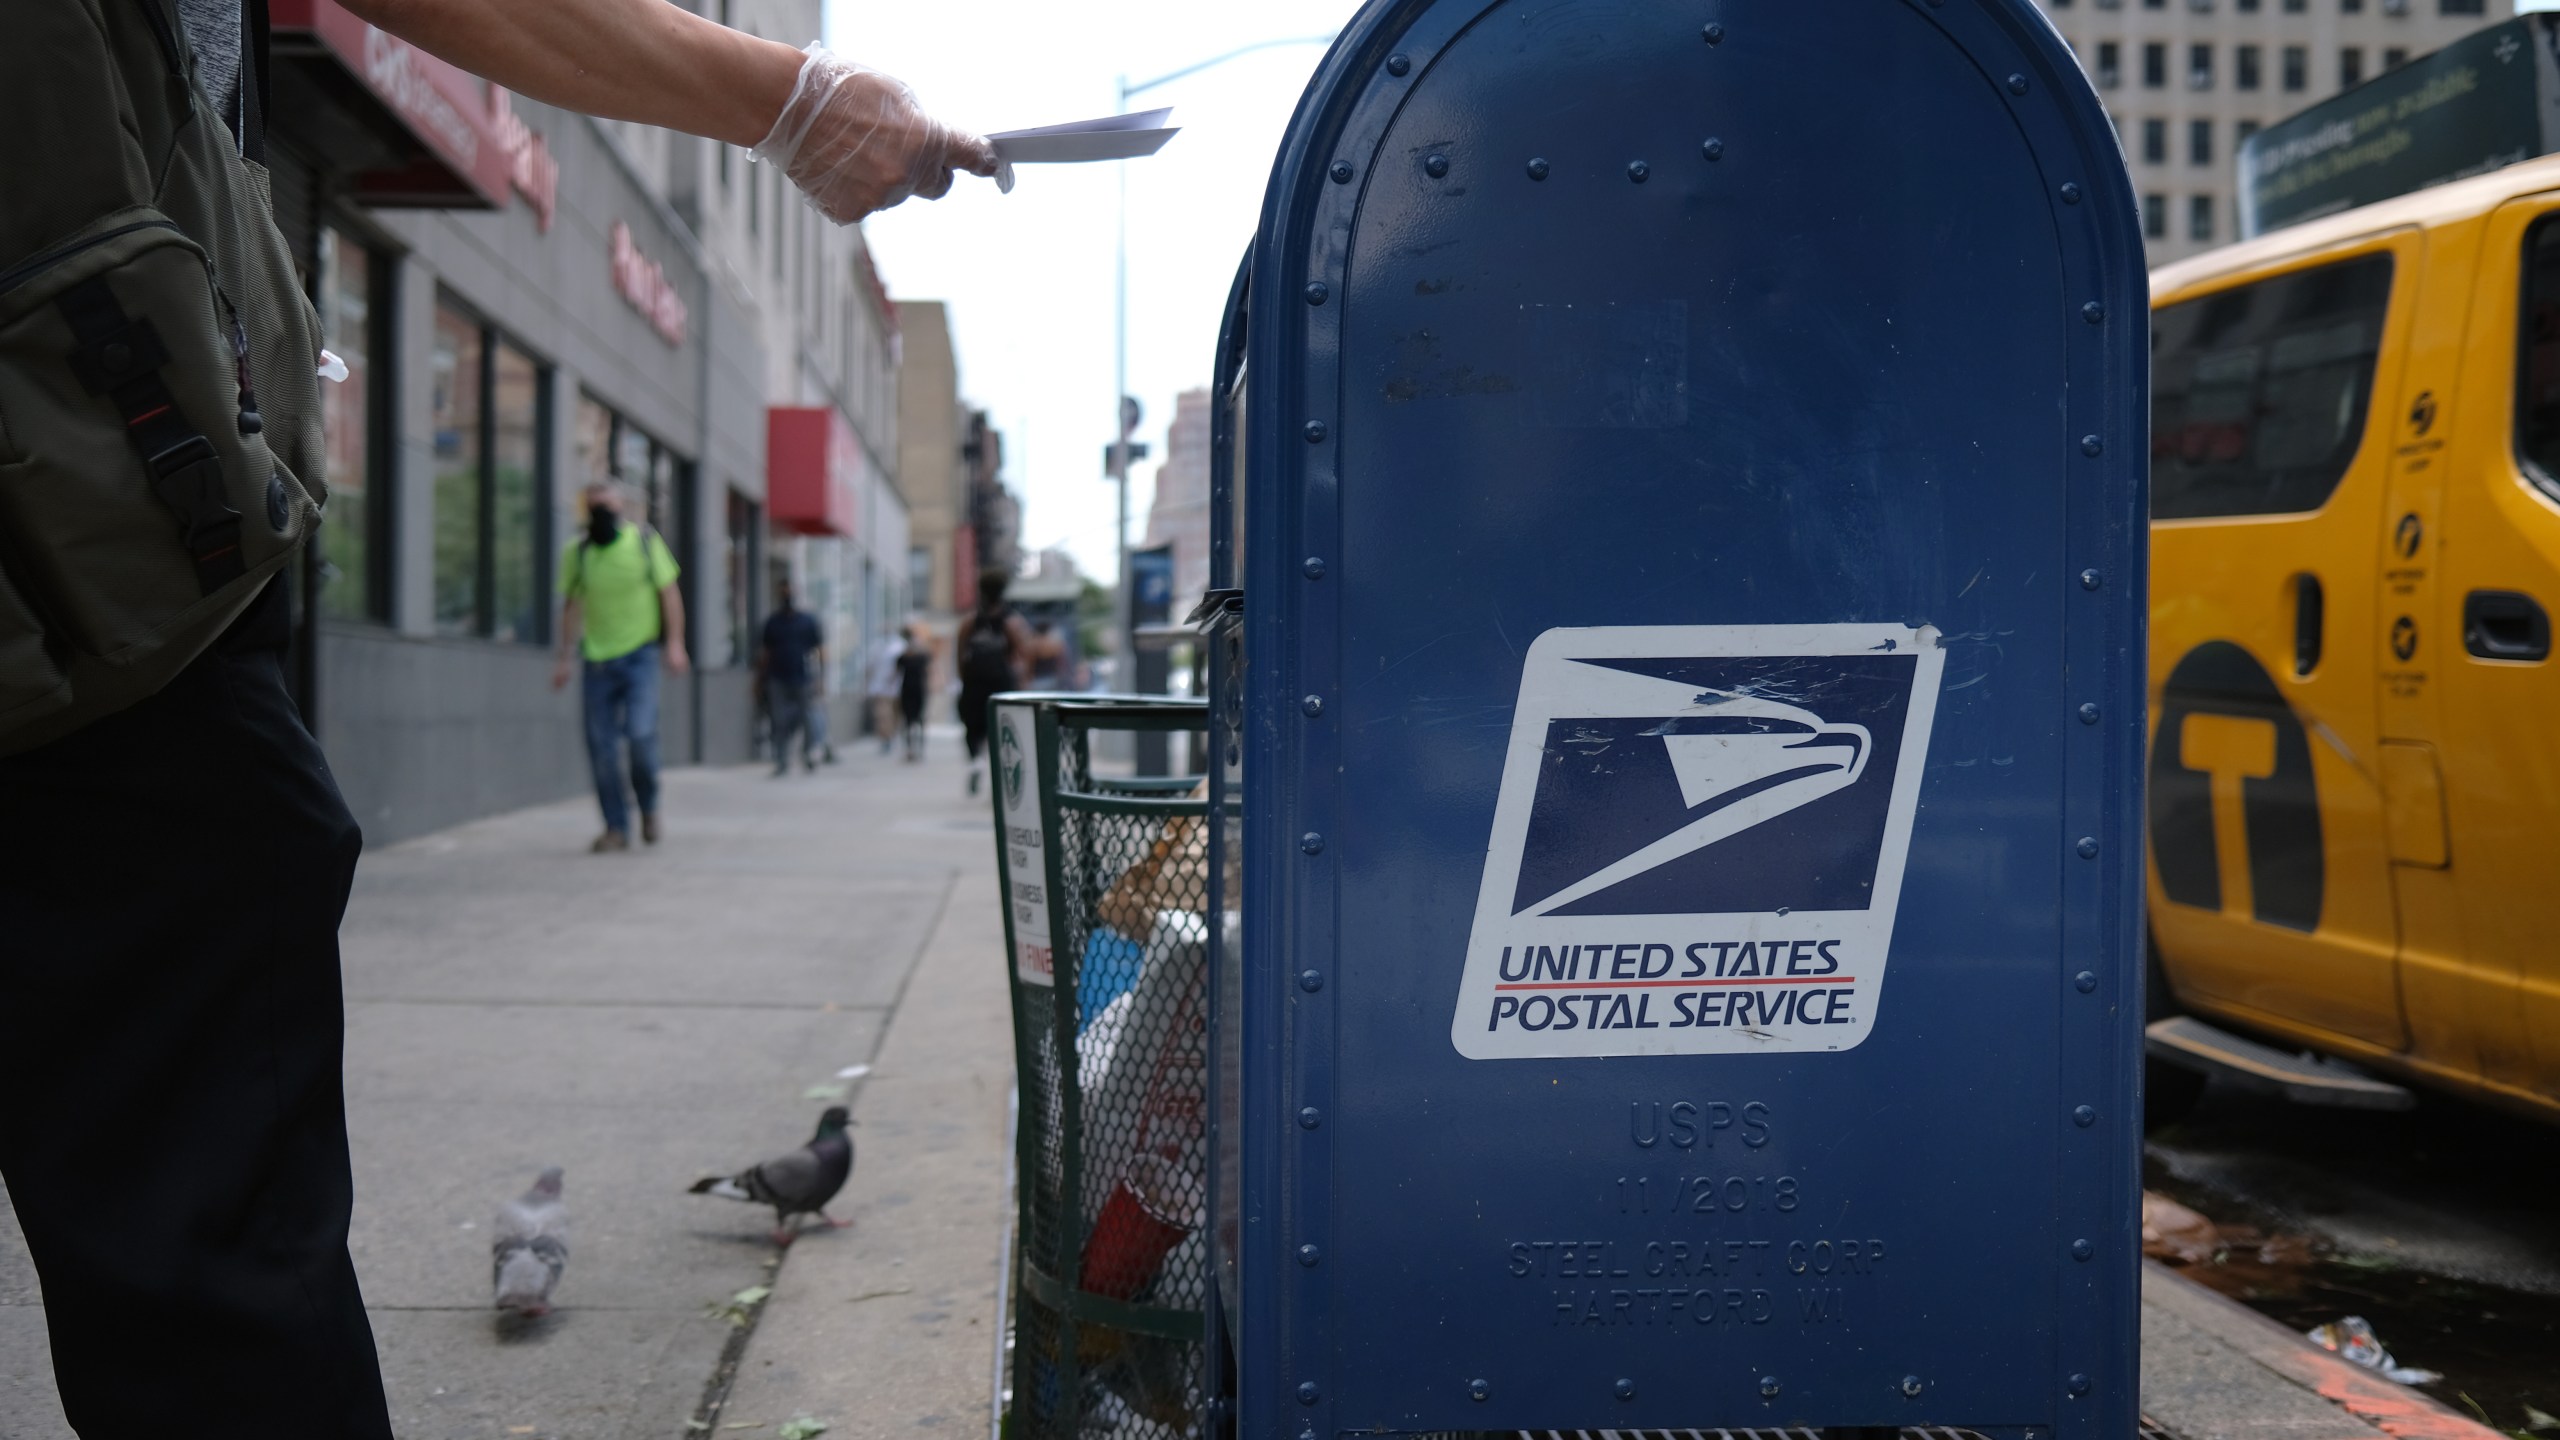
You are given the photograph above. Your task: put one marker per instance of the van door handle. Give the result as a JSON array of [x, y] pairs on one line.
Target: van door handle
[[2309, 614], [2505, 625]]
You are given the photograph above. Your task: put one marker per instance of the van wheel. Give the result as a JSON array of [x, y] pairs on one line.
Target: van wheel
[[2169, 1091]]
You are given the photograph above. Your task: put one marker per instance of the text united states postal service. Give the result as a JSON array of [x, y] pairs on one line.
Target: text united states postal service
[[1699, 843]]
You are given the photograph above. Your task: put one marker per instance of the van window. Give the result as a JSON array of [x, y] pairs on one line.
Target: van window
[[2259, 393], [2538, 358]]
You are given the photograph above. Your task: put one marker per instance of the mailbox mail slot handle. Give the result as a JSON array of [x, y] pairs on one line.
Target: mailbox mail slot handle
[[1103, 1310]]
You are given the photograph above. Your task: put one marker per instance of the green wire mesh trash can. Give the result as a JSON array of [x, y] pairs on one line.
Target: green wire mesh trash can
[[1105, 880]]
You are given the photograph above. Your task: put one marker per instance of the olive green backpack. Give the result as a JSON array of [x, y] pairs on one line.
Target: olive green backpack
[[159, 406]]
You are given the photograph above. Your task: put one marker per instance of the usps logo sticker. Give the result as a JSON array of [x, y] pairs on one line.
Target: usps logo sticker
[[1699, 843]]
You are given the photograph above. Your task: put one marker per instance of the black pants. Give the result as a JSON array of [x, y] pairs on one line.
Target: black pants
[[172, 1129]]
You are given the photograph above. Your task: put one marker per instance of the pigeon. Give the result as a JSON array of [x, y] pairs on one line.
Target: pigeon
[[800, 1183], [531, 1249]]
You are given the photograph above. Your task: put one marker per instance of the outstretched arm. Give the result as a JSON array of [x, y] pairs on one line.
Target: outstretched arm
[[853, 138]]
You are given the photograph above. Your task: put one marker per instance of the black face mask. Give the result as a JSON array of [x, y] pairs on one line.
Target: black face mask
[[602, 526]]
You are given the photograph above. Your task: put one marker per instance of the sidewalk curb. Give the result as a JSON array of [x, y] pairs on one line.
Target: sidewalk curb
[[2395, 1409]]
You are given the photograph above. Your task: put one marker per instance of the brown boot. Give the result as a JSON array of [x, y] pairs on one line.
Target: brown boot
[[649, 829], [608, 842]]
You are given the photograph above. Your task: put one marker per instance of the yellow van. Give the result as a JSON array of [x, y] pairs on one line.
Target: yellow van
[[2355, 754]]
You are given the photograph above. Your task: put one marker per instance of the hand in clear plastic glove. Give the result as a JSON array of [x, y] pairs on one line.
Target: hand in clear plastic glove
[[856, 141]]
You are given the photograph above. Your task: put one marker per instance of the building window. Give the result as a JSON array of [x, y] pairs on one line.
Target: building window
[[2155, 216], [2294, 7], [2155, 4], [2199, 142], [2259, 392], [2297, 67], [2155, 65], [2395, 57], [2350, 7], [919, 578], [2200, 217], [2155, 142], [2350, 67], [2461, 7], [2199, 67], [353, 322], [490, 464], [2244, 67], [2245, 7], [738, 577], [2110, 64]]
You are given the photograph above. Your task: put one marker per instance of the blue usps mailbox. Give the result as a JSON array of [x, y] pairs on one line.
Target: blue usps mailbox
[[1687, 475]]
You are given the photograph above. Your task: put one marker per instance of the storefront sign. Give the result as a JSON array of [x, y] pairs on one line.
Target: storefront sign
[[530, 169], [813, 470], [439, 108], [644, 285]]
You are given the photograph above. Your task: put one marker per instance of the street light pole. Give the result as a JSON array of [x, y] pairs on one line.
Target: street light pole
[[1126, 665]]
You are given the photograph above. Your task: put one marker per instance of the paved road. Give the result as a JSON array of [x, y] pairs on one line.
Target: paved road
[[642, 1019]]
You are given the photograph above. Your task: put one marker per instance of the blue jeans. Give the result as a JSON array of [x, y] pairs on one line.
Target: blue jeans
[[622, 699]]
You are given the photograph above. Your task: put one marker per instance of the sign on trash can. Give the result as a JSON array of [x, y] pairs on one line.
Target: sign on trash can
[[1683, 733]]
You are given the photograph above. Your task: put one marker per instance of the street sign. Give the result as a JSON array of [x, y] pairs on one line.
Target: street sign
[[1689, 756]]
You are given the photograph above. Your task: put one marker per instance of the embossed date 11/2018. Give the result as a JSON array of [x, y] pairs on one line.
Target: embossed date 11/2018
[[1708, 1194]]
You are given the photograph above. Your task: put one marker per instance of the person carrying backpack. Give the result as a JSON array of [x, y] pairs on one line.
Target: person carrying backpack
[[174, 854], [619, 606], [995, 644]]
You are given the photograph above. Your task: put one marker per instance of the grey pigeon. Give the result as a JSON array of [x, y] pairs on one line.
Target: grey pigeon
[[800, 1183], [531, 1248]]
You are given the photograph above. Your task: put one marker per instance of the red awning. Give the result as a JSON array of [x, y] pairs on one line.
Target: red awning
[[436, 118], [812, 470]]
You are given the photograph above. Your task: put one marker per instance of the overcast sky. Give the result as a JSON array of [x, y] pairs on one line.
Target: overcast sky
[[1029, 275]]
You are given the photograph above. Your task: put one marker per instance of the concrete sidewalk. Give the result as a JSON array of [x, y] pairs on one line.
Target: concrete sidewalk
[[642, 1020]]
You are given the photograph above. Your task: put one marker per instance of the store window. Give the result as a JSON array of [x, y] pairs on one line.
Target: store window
[[656, 482], [745, 520], [490, 464], [354, 537]]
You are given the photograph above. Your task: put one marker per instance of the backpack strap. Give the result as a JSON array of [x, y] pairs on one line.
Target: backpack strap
[[253, 80], [120, 357]]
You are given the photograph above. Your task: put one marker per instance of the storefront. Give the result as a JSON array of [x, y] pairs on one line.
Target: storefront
[[520, 313], [835, 515]]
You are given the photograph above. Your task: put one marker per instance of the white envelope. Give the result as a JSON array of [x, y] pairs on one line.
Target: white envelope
[[1110, 137]]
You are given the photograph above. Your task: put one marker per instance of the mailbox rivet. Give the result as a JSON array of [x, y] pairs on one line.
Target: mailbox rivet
[[1314, 567], [1435, 166], [2089, 579], [1341, 172], [1397, 64], [1315, 432], [1637, 170], [2079, 1385], [1537, 167], [1313, 705], [2093, 312], [1312, 843], [1318, 292], [1308, 1255], [2088, 847], [2090, 445], [1307, 1392], [2084, 1117], [2017, 84], [1713, 149], [1624, 1389], [1310, 1118], [2082, 1249], [2089, 712], [1768, 1387], [1714, 34], [2085, 982], [1310, 981], [2070, 192], [1478, 1390], [1911, 1386]]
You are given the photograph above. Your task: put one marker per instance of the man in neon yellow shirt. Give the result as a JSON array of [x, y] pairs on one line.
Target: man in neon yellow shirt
[[618, 601]]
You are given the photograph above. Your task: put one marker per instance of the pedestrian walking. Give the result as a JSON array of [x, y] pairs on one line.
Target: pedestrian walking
[[790, 654], [880, 686], [915, 679], [620, 609], [995, 644], [174, 1141]]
